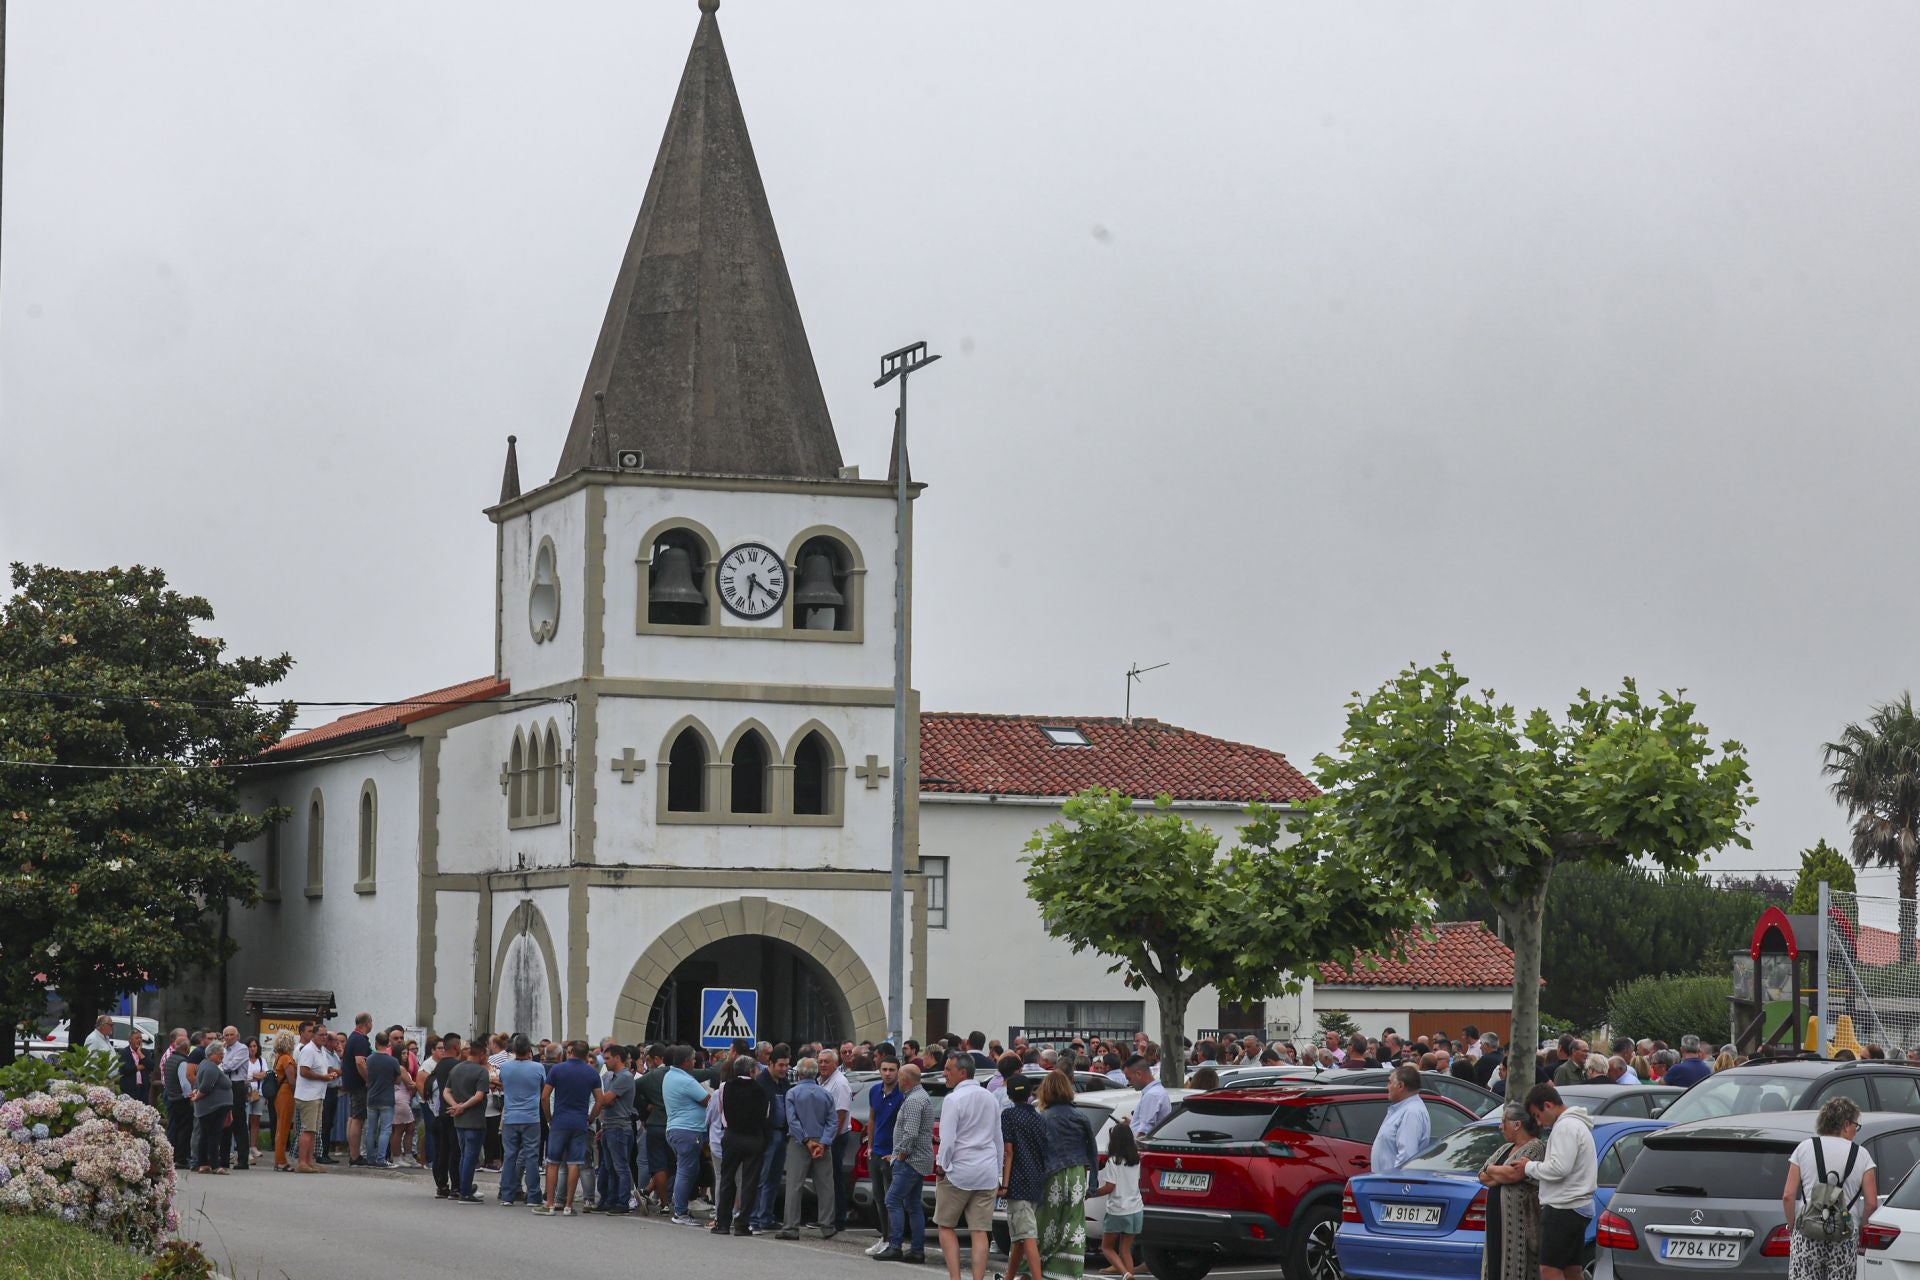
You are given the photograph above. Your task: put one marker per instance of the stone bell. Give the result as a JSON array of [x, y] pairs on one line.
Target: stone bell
[[817, 597], [673, 579]]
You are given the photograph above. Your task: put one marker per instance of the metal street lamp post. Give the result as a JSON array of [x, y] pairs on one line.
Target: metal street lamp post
[[900, 364]]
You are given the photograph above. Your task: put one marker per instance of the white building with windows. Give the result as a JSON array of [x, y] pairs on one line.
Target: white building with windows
[[676, 776]]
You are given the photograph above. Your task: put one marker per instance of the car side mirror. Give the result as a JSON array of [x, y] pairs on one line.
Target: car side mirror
[[1653, 1112]]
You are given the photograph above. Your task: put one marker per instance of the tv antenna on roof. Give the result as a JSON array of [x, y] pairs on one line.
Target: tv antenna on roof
[[1134, 673]]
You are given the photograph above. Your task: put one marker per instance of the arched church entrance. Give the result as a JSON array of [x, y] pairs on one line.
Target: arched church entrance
[[798, 1000], [812, 984]]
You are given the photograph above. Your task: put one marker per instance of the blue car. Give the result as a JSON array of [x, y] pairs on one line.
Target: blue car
[[1429, 1220]]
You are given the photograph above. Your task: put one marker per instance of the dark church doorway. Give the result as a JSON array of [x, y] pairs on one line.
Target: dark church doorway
[[798, 1000]]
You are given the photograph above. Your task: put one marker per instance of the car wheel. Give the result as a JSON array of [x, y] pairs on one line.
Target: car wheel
[[1313, 1256], [1175, 1264]]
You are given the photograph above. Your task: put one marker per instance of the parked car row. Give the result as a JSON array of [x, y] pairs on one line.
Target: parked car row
[[1271, 1170], [52, 1040]]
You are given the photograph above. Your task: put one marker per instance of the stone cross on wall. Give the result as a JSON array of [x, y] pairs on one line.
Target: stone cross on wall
[[627, 764], [871, 772]]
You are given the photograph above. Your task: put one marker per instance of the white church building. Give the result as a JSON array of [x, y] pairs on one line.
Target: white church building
[[676, 775]]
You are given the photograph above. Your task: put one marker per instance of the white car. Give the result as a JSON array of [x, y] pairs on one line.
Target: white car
[[1890, 1241], [53, 1042], [1103, 1109]]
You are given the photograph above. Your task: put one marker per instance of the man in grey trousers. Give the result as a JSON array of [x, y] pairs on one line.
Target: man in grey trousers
[[812, 1123]]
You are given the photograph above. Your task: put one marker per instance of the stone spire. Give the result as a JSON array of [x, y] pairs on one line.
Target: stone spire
[[702, 361], [510, 478]]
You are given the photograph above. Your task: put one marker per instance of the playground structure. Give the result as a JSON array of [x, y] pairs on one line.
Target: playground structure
[[1794, 971], [1776, 984]]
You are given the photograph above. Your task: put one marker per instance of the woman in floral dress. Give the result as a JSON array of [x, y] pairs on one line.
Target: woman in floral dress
[[1061, 1215]]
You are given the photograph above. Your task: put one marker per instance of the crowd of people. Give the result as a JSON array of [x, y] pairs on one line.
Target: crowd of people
[[735, 1141]]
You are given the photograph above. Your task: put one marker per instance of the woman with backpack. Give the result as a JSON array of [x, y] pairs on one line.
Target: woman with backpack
[[1831, 1189]]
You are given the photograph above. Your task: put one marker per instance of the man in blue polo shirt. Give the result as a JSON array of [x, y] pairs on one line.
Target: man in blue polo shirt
[[572, 1100], [522, 1083], [884, 1098], [1692, 1067], [686, 1100]]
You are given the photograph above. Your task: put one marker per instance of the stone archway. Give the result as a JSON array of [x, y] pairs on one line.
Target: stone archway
[[866, 1008], [524, 940]]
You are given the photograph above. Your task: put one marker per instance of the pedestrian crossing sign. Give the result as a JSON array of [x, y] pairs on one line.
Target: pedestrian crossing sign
[[727, 1014]]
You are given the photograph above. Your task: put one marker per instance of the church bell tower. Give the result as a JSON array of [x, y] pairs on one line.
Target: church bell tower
[[706, 590]]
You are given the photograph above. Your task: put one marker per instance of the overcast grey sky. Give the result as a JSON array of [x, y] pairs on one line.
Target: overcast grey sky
[[1286, 343]]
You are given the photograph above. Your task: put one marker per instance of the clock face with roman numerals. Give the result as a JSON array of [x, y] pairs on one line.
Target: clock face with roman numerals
[[753, 580]]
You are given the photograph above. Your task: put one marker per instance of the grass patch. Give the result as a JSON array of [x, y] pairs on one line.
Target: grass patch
[[38, 1248]]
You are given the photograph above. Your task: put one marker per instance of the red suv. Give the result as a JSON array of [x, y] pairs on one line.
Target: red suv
[[1254, 1176]]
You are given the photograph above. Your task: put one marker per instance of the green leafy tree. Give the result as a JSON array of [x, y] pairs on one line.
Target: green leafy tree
[[1875, 768], [1606, 924], [1153, 891], [116, 826], [1455, 792], [1822, 862]]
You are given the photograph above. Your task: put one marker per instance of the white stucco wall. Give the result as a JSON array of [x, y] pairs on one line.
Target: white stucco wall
[[733, 518], [453, 959], [994, 954], [474, 835], [625, 815], [530, 664], [361, 945]]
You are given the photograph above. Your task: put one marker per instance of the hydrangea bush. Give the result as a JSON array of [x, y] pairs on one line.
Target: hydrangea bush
[[88, 1156]]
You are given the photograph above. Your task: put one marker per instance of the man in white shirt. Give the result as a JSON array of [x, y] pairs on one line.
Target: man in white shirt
[[835, 1082], [1568, 1173], [101, 1041], [1620, 1072], [1406, 1129], [967, 1166], [312, 1071], [237, 1062], [1154, 1105]]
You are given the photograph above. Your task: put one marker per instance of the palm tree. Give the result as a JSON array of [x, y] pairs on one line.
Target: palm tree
[[1875, 769]]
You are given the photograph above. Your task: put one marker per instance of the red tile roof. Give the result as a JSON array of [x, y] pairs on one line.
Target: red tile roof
[[389, 716], [1462, 953], [1876, 946], [963, 754]]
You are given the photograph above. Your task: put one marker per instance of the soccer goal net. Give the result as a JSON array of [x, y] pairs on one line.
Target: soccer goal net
[[1870, 960]]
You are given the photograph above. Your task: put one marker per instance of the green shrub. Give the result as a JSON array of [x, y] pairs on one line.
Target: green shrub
[[1668, 1007], [34, 1075], [1337, 1022]]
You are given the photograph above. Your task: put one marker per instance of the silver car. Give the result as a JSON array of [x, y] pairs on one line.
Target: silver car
[[1705, 1196]]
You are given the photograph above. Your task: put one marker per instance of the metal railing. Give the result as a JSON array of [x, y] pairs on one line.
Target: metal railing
[[1057, 1036]]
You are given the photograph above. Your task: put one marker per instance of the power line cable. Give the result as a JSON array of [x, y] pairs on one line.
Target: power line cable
[[83, 696]]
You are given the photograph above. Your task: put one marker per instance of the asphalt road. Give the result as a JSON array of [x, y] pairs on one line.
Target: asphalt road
[[373, 1225]]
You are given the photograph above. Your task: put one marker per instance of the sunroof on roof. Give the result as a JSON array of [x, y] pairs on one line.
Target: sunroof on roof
[[1064, 735]]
